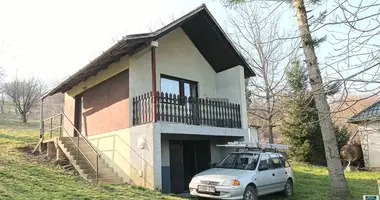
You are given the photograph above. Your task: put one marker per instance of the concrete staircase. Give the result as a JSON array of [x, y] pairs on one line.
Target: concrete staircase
[[106, 174]]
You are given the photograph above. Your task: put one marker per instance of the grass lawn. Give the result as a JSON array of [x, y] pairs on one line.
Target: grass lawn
[[23, 177]]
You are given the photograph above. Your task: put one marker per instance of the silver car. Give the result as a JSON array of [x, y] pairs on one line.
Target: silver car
[[245, 175]]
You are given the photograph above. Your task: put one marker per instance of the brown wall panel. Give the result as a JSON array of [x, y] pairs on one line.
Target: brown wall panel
[[106, 106], [69, 111]]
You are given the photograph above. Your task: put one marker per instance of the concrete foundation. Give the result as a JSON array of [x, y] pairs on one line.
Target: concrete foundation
[[51, 150]]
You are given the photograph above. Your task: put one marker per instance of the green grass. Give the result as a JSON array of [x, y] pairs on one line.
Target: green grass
[[312, 183], [23, 176]]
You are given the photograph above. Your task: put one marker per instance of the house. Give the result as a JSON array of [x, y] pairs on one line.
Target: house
[[368, 121], [155, 105]]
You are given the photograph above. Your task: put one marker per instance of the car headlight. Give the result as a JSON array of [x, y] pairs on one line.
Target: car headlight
[[230, 183]]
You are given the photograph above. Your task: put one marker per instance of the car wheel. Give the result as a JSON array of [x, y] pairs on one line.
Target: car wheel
[[250, 193], [288, 190]]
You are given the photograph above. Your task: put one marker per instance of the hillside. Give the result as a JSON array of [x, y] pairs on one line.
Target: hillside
[[24, 176]]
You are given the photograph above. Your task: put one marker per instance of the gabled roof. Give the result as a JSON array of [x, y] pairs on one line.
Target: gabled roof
[[372, 113], [201, 28]]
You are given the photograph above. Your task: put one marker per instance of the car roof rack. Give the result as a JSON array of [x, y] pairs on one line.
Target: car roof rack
[[249, 146]]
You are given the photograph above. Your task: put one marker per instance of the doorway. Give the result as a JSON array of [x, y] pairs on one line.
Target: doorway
[[187, 158], [78, 114]]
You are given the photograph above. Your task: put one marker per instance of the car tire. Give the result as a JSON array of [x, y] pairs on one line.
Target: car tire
[[250, 193], [288, 190]]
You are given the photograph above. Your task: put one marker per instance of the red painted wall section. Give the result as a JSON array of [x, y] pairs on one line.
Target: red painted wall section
[[106, 106]]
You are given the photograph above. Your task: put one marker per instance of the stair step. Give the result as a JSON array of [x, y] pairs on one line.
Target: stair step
[[81, 145], [88, 170], [88, 153], [81, 162], [93, 161]]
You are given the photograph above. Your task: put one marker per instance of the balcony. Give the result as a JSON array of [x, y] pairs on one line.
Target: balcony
[[185, 110]]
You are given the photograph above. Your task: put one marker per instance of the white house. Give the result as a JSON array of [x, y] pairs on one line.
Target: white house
[[159, 139], [369, 129]]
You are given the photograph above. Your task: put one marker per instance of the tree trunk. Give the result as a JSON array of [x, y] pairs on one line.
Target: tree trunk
[[338, 183], [2, 104], [270, 130], [24, 118]]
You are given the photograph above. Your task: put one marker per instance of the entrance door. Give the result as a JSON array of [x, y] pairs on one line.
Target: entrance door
[[176, 166], [202, 156], [187, 158], [78, 114]]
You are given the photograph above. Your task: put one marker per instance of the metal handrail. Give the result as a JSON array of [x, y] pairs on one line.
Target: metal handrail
[[52, 117], [80, 150], [76, 145], [84, 138], [52, 129]]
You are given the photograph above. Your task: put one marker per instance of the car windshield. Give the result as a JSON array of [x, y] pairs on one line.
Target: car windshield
[[239, 161]]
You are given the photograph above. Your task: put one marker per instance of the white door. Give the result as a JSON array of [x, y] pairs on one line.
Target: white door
[[280, 172], [265, 175]]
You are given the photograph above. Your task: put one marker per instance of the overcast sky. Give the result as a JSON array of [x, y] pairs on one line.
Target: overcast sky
[[54, 39]]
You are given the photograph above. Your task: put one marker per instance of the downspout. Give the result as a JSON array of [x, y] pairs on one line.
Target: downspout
[[154, 45], [42, 132], [42, 118]]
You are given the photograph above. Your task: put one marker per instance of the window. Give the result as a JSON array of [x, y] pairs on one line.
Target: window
[[265, 163], [239, 161], [177, 86], [284, 161], [277, 162]]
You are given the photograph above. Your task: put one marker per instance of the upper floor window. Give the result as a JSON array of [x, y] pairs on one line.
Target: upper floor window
[[178, 86]]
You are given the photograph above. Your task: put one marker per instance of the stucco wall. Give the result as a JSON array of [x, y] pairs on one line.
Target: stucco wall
[[101, 76], [372, 131], [177, 56], [68, 109], [120, 150], [230, 84]]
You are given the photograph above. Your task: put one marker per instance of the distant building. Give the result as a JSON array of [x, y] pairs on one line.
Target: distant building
[[368, 121]]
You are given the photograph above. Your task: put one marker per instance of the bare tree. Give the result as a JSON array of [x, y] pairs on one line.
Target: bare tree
[[338, 184], [251, 28], [24, 94], [355, 60]]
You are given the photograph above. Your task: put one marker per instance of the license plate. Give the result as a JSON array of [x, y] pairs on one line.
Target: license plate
[[204, 188]]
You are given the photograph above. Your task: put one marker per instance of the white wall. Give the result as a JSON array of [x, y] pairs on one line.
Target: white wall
[[120, 150], [230, 84], [253, 135], [177, 56], [177, 128], [370, 134]]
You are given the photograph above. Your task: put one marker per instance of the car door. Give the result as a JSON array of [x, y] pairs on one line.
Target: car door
[[265, 175], [280, 172]]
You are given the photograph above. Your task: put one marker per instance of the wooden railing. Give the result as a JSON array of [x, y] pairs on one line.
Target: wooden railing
[[187, 110]]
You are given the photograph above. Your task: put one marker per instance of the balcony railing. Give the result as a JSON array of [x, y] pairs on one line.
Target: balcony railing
[[186, 110]]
